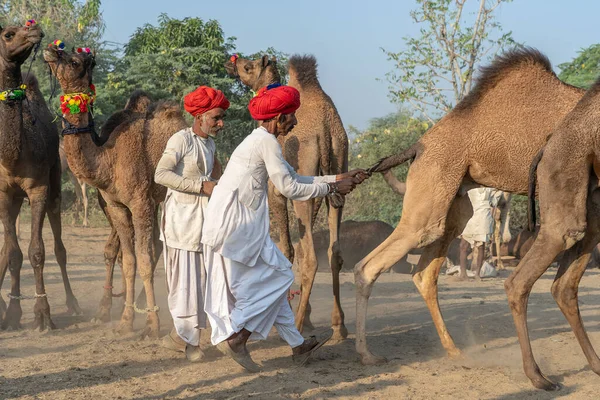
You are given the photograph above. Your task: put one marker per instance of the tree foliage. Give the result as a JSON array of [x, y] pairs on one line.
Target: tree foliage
[[584, 69], [435, 71]]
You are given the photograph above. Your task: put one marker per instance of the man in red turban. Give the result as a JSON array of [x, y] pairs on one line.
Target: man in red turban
[[249, 277], [189, 169]]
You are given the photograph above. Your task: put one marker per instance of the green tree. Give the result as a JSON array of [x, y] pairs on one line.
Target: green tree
[[436, 69], [173, 58], [584, 69]]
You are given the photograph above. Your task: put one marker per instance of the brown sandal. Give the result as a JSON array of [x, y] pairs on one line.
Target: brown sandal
[[243, 359], [301, 359]]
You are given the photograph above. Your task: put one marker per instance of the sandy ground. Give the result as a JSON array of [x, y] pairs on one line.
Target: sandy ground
[[81, 360]]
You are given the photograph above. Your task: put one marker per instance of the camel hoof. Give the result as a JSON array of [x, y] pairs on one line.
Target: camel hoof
[[454, 353], [103, 315], [124, 328], [73, 307], [371, 359], [545, 384], [340, 333], [12, 317], [41, 311]]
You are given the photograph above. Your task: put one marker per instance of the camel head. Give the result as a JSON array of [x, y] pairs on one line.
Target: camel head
[[17, 42], [253, 73], [72, 69]]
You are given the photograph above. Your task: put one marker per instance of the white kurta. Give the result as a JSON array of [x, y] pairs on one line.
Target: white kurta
[[249, 277], [481, 225], [186, 162]]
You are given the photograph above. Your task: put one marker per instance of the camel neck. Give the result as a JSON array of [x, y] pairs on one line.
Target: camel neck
[[268, 78], [83, 156], [11, 115]]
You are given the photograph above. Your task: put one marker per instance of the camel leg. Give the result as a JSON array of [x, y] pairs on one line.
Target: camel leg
[[78, 196], [111, 251], [157, 249], [308, 260], [430, 263], [54, 217], [143, 216], [85, 202], [12, 259], [336, 262], [18, 226], [566, 283], [122, 221], [278, 204], [518, 288], [41, 309]]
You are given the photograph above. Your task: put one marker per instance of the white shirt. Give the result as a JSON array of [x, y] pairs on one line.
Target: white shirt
[[238, 227], [186, 162]]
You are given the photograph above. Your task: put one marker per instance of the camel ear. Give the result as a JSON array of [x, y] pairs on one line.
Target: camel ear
[[273, 59], [265, 61]]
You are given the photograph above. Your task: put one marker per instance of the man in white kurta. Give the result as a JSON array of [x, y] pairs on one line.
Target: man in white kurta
[[478, 231], [249, 277], [186, 169]]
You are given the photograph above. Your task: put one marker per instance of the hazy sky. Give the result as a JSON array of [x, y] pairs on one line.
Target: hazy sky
[[346, 36]]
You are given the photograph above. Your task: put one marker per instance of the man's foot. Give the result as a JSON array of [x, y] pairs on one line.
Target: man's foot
[[241, 357], [193, 353], [172, 341], [301, 354]]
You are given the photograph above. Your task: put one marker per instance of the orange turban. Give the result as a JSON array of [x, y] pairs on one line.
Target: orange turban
[[204, 99], [271, 101]]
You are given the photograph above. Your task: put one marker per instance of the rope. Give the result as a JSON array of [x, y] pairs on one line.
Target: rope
[[142, 311], [23, 297], [145, 310]]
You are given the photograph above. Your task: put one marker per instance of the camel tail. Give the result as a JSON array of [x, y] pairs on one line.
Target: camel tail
[[393, 161], [531, 218]]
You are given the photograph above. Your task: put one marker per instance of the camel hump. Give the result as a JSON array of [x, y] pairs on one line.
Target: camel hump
[[501, 66], [31, 81], [165, 109], [138, 102], [304, 69]]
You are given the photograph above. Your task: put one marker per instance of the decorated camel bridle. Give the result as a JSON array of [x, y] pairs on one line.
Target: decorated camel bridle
[[77, 102]]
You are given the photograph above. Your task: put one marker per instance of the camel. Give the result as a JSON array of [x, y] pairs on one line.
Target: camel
[[569, 197], [122, 170], [318, 145], [30, 168], [489, 139]]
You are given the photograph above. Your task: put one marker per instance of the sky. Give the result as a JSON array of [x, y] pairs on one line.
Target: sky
[[346, 37]]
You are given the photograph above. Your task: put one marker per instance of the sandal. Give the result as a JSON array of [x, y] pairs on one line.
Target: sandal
[[243, 359], [301, 359]]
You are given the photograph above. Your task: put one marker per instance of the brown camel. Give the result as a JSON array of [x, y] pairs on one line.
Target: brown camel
[[489, 139], [569, 198], [30, 168], [123, 171], [318, 145]]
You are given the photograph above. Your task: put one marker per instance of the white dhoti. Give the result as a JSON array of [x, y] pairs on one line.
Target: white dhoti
[[186, 283], [254, 298]]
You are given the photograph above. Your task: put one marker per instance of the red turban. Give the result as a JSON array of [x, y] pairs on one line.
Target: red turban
[[204, 99], [269, 103]]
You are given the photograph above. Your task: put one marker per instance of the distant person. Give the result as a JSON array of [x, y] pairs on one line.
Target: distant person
[[478, 231], [187, 169], [249, 277]]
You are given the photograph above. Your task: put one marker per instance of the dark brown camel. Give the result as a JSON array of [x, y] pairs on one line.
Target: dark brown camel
[[123, 171], [30, 168], [570, 221], [318, 145], [488, 139]]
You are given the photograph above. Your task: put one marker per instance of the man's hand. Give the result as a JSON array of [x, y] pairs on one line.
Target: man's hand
[[357, 175], [208, 186], [344, 186]]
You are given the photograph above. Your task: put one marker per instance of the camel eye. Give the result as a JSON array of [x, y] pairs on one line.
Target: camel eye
[[247, 67], [74, 63], [9, 35]]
